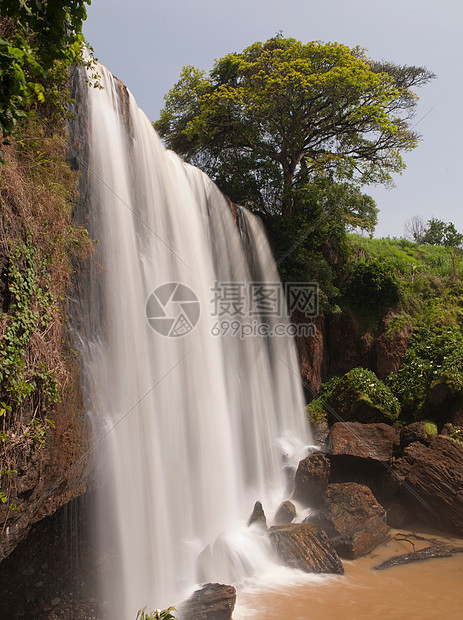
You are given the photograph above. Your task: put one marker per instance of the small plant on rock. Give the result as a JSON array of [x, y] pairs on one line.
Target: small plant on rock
[[157, 614]]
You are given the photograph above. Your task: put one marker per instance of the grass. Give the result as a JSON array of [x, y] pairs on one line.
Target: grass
[[430, 287], [412, 261]]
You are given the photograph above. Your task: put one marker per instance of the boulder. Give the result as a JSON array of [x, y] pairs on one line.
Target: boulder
[[364, 441], [258, 516], [442, 392], [319, 519], [306, 547], [285, 514], [311, 479], [434, 484], [359, 396], [423, 432], [213, 601], [357, 517], [403, 465], [362, 453]]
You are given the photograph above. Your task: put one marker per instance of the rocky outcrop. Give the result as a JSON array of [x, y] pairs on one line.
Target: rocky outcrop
[[362, 453], [213, 601], [398, 514], [403, 465], [258, 516], [311, 479], [423, 432], [312, 354], [306, 547], [53, 573], [48, 477], [350, 403], [347, 347], [285, 514], [357, 517], [374, 442], [433, 484], [391, 347]]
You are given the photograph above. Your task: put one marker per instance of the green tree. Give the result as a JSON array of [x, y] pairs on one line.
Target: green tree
[[34, 36], [266, 122], [315, 238], [434, 232], [442, 233]]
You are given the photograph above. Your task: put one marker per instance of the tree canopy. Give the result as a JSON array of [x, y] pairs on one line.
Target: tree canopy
[[34, 35], [266, 122]]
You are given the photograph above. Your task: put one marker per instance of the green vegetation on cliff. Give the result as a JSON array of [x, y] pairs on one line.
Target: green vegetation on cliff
[[419, 287], [39, 39], [39, 241]]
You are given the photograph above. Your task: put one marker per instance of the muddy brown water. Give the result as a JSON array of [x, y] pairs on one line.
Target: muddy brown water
[[427, 590]]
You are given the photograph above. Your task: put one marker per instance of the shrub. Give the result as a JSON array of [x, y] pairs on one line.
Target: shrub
[[434, 359], [373, 283], [360, 394], [316, 409]]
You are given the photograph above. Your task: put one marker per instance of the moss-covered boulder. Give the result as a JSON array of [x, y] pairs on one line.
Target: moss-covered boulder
[[424, 432], [361, 397]]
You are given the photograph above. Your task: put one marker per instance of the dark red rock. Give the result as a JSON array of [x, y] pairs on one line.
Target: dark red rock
[[403, 465], [311, 351], [306, 547], [362, 453], [434, 485], [213, 601], [364, 441], [40, 490], [311, 479], [357, 516], [285, 514], [347, 348], [391, 347], [398, 515], [319, 519], [422, 432]]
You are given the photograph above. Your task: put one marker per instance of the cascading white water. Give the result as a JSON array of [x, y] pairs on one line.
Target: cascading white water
[[192, 429]]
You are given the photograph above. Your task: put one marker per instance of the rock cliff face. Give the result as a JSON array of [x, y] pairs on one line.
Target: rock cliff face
[[47, 477], [44, 451], [434, 485], [338, 345]]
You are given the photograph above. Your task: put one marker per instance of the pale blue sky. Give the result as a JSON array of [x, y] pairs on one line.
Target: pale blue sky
[[146, 43]]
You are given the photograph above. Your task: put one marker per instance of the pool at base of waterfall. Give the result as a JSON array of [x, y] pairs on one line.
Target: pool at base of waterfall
[[420, 590]]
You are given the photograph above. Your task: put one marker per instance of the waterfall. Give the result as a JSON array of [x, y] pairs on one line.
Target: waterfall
[[194, 419]]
